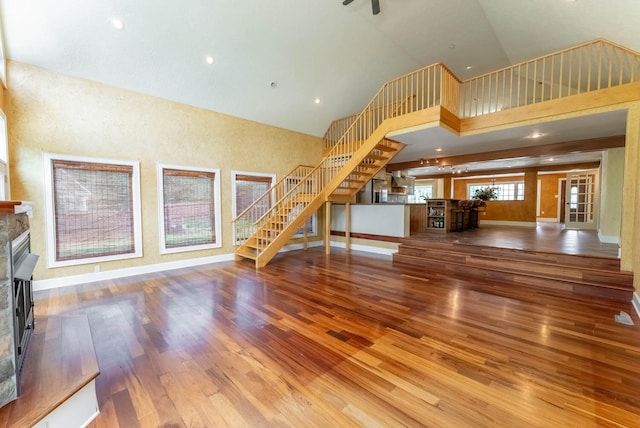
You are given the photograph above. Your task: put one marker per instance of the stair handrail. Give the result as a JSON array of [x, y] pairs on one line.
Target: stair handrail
[[250, 215], [268, 192]]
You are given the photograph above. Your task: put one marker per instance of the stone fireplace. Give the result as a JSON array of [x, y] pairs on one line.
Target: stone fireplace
[[16, 302]]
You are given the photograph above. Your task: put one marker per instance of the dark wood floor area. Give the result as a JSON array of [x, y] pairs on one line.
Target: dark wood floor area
[[349, 340], [549, 237]]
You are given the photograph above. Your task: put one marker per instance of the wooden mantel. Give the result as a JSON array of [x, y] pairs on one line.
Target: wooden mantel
[[9, 207]]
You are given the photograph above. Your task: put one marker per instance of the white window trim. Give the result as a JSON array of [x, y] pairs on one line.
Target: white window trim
[[4, 161], [216, 202], [50, 225], [234, 210], [489, 184]]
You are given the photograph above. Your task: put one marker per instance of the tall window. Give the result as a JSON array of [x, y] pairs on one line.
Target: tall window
[[247, 188], [93, 210], [190, 208], [506, 191]]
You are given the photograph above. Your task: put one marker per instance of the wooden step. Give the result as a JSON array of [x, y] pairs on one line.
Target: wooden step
[[247, 252], [595, 276], [375, 158], [385, 148], [585, 261], [57, 387]]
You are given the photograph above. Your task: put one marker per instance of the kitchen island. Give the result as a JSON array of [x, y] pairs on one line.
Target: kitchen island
[[380, 220]]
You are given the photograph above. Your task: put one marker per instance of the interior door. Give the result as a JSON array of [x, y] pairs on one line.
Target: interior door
[[581, 206]]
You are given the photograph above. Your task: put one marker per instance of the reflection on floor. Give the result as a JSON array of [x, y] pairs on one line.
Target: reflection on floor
[[545, 237]]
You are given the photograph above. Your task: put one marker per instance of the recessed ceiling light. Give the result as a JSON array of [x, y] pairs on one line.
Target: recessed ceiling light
[[452, 46], [317, 100], [551, 159], [535, 135], [469, 67], [209, 59], [117, 23], [438, 149]]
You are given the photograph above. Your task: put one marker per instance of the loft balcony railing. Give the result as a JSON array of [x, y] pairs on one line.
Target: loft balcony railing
[[586, 68]]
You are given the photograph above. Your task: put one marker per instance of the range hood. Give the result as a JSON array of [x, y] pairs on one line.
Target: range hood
[[397, 181]]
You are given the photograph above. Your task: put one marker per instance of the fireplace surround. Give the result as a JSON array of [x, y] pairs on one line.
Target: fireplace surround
[[16, 300]]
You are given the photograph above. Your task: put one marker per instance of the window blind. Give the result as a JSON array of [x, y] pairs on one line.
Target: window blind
[[93, 209], [189, 207]]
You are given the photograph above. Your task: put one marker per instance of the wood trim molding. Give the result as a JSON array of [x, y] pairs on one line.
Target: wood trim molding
[[591, 144], [541, 168]]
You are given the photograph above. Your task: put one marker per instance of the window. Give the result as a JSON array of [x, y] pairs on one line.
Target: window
[[422, 192], [247, 188], [573, 198], [93, 210], [189, 207], [506, 191]]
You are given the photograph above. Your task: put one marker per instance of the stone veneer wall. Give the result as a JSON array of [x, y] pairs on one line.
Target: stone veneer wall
[[11, 226]]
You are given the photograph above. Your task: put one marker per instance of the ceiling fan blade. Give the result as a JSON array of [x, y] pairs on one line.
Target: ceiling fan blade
[[346, 2], [375, 5]]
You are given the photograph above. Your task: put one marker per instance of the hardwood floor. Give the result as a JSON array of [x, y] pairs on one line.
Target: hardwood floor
[[350, 340], [549, 237]]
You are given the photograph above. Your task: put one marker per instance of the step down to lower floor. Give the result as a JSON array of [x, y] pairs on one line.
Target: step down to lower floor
[[57, 386], [577, 276]]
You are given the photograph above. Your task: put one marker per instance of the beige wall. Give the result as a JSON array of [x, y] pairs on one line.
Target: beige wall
[[612, 180], [630, 234], [49, 112]]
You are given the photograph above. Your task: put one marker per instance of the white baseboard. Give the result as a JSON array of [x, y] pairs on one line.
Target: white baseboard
[[608, 239], [46, 284], [507, 223], [548, 219], [636, 302], [366, 248]]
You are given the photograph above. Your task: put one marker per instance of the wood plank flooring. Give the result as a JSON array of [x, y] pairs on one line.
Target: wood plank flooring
[[545, 237], [60, 361], [349, 340]]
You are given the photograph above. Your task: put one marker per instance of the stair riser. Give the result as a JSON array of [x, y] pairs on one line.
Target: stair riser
[[586, 274], [523, 267], [419, 248], [427, 267]]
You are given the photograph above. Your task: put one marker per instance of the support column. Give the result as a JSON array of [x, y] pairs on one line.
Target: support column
[[630, 233], [347, 229], [327, 227]]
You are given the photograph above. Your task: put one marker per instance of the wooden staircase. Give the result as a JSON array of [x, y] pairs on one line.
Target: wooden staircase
[[578, 275], [340, 175]]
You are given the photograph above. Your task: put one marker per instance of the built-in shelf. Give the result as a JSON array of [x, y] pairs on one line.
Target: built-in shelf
[[439, 214]]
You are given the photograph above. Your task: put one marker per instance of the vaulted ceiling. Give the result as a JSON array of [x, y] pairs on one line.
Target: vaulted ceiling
[[311, 49]]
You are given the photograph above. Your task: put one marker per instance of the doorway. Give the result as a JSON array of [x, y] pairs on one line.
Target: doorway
[[580, 200]]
